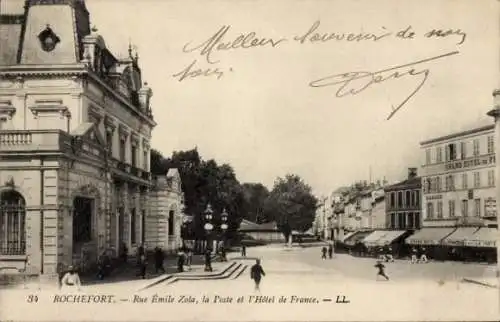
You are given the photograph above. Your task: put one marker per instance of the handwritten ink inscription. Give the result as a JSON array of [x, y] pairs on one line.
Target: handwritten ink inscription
[[353, 83], [217, 42], [348, 83]]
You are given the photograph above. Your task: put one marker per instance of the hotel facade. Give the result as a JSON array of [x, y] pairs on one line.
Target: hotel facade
[[75, 133], [459, 178], [459, 195]]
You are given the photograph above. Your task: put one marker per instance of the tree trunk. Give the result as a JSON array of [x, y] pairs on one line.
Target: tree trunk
[[290, 240]]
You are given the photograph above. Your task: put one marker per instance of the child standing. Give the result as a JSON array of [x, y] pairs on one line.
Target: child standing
[[323, 253]]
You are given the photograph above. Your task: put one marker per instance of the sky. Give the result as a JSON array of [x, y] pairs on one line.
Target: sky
[[263, 117]]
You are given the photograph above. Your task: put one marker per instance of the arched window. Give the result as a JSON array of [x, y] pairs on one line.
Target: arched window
[[12, 223]]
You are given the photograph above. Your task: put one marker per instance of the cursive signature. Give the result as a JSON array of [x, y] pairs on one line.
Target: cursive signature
[[347, 80], [217, 42]]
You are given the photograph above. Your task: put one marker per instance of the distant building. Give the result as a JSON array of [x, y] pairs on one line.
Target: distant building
[[403, 203], [265, 233]]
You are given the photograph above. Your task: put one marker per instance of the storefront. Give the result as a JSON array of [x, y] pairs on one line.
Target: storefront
[[455, 243], [429, 240], [484, 243], [395, 240], [371, 240], [353, 242]]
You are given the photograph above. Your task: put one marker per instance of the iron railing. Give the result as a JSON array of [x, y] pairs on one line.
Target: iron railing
[[12, 247]]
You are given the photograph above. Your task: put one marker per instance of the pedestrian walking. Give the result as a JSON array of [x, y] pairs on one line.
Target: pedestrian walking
[[189, 258], [159, 258], [330, 251], [140, 252], [208, 260], [71, 279], [243, 251], [223, 254], [414, 258], [143, 264], [323, 253], [381, 271], [124, 252], [181, 259], [256, 273]]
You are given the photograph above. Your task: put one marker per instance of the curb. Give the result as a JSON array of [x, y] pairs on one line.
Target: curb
[[209, 277], [467, 280], [180, 276]]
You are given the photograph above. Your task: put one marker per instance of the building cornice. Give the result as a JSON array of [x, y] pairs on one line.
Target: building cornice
[[118, 96], [70, 70], [459, 134]]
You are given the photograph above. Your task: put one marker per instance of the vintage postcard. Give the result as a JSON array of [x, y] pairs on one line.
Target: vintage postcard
[[265, 160]]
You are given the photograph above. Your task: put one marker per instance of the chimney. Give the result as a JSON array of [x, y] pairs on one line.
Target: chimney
[[412, 173]]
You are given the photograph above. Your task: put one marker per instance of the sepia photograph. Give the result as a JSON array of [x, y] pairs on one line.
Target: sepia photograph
[[249, 160]]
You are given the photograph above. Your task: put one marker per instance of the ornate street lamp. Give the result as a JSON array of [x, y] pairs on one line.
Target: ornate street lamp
[[224, 227], [208, 224]]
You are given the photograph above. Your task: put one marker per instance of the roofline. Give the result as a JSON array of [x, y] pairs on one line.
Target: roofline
[[75, 69], [401, 184], [458, 134]]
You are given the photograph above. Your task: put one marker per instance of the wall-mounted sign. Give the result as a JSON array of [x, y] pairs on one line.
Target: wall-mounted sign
[[476, 162], [434, 197], [490, 207]]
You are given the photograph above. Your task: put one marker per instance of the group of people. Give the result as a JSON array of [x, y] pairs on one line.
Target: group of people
[[418, 256]]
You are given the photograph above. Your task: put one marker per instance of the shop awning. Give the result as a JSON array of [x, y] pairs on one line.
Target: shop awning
[[459, 236], [371, 240], [484, 237], [429, 236], [356, 237], [389, 237], [349, 235]]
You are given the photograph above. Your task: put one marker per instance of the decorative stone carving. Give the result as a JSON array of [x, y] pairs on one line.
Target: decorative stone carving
[[49, 106], [10, 182], [7, 109], [48, 39], [95, 115], [124, 132], [109, 124], [135, 139]]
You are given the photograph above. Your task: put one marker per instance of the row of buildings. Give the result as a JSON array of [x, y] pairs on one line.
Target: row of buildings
[[75, 138], [449, 202]]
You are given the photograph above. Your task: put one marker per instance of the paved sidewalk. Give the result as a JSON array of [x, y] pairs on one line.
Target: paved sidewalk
[[125, 275]]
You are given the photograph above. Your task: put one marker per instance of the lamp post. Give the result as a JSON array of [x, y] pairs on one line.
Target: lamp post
[[208, 214], [224, 227]]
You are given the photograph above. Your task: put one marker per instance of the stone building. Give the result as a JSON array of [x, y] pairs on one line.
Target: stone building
[[458, 192], [75, 132], [163, 226], [403, 203]]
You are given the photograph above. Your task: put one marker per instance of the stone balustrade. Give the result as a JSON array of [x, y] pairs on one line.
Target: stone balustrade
[[32, 140]]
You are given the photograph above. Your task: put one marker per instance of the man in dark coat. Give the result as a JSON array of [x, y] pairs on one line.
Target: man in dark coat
[[256, 274], [159, 258], [330, 251], [208, 261]]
